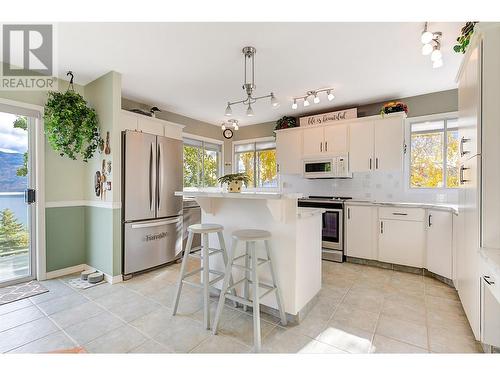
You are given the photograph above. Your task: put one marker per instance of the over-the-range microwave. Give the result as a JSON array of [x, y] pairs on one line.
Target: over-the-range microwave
[[331, 167]]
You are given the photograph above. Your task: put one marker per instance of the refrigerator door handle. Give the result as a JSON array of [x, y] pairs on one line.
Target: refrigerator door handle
[[159, 163], [151, 207], [156, 224]]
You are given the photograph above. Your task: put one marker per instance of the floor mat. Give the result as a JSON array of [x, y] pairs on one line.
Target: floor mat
[[78, 283], [20, 291]]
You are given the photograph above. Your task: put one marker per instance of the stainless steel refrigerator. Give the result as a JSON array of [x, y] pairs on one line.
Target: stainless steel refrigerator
[[151, 214]]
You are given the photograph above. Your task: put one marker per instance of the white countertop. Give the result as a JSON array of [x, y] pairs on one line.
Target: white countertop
[[492, 259], [436, 206], [242, 195]]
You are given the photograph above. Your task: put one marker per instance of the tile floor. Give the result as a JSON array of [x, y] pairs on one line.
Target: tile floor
[[360, 309]]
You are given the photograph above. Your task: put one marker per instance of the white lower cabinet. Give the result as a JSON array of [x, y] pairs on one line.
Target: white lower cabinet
[[439, 252], [401, 242], [360, 222]]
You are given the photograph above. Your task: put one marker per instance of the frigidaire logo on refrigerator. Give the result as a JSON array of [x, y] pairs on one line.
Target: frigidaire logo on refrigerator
[[158, 236]]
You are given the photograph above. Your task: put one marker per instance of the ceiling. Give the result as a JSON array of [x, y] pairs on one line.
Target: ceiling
[[194, 68]]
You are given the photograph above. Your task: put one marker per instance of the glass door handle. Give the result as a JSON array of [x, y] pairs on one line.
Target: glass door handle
[[30, 196]]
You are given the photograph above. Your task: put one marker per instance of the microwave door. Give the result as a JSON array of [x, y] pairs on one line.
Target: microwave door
[[139, 159], [169, 180]]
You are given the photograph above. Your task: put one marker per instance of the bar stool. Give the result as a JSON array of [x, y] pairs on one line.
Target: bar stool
[[203, 252], [250, 266]]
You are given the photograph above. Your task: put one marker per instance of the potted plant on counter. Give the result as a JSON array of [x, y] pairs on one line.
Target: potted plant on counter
[[234, 181]]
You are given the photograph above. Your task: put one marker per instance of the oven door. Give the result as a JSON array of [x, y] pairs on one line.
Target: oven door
[[332, 229]]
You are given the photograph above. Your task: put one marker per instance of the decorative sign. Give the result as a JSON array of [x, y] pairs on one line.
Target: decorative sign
[[327, 118]]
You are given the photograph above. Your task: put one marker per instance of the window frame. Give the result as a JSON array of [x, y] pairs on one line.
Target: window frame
[[221, 161], [446, 116], [234, 162]]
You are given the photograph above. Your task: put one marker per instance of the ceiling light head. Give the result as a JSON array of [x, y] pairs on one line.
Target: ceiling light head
[[437, 63], [330, 96], [427, 49], [436, 54], [306, 102], [426, 37], [229, 111], [274, 101], [294, 105], [235, 126], [249, 110], [223, 126], [316, 98]]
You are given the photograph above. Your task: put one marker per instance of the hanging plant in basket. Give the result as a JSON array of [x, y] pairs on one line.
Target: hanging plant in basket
[[286, 122], [71, 126]]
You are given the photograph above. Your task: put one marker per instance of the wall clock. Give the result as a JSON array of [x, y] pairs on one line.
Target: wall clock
[[228, 133]]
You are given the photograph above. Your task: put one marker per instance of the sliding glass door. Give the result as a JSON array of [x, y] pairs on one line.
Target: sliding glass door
[[17, 216]]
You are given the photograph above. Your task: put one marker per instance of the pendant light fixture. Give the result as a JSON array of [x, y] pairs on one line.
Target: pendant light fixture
[[432, 46], [249, 85], [230, 123]]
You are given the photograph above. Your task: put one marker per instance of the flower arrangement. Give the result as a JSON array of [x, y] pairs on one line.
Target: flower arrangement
[[393, 107], [286, 122], [464, 38]]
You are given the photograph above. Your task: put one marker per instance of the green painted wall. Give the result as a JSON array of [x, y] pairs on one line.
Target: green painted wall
[[99, 238], [65, 237]]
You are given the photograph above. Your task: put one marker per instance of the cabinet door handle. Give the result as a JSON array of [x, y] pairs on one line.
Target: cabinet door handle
[[348, 213], [321, 147], [430, 222], [370, 164], [399, 213], [462, 141], [326, 146], [462, 180], [381, 227], [376, 163]]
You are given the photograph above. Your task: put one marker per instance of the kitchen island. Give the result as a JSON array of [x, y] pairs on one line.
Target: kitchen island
[[296, 240]]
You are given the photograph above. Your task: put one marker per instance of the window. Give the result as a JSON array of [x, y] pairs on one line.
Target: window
[[258, 160], [202, 163], [434, 153]]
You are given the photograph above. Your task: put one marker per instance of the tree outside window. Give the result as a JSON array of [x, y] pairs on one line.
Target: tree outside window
[[202, 163], [434, 154], [258, 161]]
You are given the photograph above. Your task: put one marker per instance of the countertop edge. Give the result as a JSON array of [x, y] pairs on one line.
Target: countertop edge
[[442, 207]]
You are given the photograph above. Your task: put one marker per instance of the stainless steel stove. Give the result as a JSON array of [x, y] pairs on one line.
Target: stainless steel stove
[[333, 224]]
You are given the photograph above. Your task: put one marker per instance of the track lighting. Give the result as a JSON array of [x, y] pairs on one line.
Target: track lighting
[[229, 111], [231, 122], [274, 101], [223, 126], [315, 95], [432, 46]]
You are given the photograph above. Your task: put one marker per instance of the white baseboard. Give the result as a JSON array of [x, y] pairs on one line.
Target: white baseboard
[[66, 271], [113, 279], [79, 268]]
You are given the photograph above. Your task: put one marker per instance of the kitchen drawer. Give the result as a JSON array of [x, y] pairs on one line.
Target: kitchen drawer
[[401, 213]]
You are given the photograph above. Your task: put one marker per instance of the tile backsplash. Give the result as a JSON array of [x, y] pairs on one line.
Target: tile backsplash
[[377, 186]]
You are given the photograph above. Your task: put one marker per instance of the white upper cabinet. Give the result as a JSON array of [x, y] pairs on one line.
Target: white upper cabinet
[[133, 121], [389, 143], [336, 139], [312, 141], [289, 152], [360, 223], [440, 242], [128, 121], [361, 146], [149, 126]]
